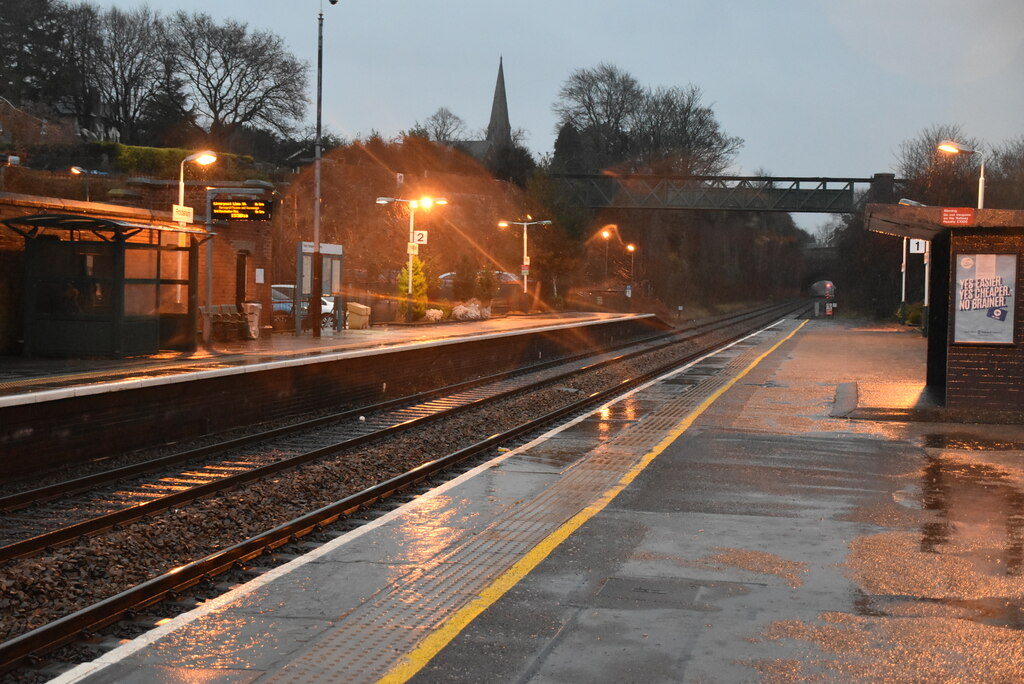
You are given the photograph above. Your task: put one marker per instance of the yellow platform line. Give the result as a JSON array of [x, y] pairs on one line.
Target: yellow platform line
[[417, 659]]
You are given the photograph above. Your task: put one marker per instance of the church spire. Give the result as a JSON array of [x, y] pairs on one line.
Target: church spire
[[499, 130]]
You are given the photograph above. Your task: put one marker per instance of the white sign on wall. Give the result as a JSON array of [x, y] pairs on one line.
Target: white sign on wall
[[180, 213]]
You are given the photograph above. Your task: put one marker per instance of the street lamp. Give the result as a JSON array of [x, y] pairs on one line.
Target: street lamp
[[953, 147], [526, 255], [631, 248], [204, 158], [79, 171], [315, 302], [413, 246]]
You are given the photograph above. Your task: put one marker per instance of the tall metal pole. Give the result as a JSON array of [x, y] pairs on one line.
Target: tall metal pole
[[606, 260], [412, 237], [927, 286], [526, 258], [903, 287], [181, 187], [981, 186], [318, 274], [208, 295]]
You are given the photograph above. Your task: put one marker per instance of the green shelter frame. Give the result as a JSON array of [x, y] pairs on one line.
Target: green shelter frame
[[104, 287]]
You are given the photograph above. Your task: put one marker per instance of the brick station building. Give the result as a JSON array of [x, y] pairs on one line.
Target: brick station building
[[975, 319]]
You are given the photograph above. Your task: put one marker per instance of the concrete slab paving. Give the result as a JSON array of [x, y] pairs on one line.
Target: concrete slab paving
[[774, 542], [765, 539]]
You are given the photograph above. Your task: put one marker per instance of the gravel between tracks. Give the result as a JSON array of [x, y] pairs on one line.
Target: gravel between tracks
[[37, 590]]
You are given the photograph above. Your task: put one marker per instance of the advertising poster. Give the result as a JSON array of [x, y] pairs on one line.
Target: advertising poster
[[986, 287]]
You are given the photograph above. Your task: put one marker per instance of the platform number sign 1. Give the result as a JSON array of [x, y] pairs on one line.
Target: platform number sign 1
[[918, 246]]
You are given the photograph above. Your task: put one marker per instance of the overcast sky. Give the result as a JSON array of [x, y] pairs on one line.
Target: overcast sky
[[814, 87]]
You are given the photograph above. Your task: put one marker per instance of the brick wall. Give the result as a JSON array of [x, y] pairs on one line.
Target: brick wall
[[987, 378]]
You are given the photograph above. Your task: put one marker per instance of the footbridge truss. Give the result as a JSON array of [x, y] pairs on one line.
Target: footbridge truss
[[729, 193]]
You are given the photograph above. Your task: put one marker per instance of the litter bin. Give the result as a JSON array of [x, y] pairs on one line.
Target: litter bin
[[358, 316], [252, 314]]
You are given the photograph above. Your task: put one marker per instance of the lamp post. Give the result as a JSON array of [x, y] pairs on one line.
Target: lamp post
[[79, 171], [607, 235], [413, 246], [953, 147], [315, 301], [631, 248], [204, 158], [526, 255]]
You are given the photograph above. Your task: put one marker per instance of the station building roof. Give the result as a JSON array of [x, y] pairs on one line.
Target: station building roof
[[924, 223], [33, 225]]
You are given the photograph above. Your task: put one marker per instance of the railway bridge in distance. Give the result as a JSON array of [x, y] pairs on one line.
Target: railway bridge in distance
[[729, 193], [739, 193]]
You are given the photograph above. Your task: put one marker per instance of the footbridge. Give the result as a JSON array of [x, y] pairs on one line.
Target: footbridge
[[729, 193]]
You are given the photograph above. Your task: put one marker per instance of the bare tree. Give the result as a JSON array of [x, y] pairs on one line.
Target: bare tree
[[674, 133], [128, 67], [1006, 174], [443, 126], [235, 77], [75, 85], [607, 119], [937, 178], [602, 105], [169, 118]]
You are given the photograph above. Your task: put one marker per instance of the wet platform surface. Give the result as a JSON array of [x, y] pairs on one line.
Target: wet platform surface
[[20, 375], [724, 524]]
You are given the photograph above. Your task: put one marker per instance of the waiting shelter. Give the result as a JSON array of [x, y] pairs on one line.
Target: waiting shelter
[[975, 317], [105, 287]]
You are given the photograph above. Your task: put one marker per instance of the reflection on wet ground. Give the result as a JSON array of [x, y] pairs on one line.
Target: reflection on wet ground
[[977, 502], [992, 611], [968, 441], [969, 551]]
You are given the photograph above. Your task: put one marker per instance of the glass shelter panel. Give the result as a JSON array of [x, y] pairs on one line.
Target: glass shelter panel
[[140, 262]]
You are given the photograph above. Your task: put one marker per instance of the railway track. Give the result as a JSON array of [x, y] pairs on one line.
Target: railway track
[[334, 465]]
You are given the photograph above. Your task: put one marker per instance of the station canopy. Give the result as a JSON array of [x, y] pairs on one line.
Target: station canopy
[[924, 223], [105, 229]]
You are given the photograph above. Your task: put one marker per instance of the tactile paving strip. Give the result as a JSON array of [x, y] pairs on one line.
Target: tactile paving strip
[[370, 639]]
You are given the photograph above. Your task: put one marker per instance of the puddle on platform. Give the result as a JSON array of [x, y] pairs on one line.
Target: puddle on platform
[[966, 441], [979, 499], [556, 458], [628, 410], [964, 562], [992, 611]]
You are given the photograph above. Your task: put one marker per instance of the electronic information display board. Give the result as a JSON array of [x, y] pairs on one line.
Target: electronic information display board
[[241, 209]]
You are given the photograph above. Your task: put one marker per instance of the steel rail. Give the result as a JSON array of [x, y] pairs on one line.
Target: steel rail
[[39, 495], [13, 502], [102, 523], [88, 620]]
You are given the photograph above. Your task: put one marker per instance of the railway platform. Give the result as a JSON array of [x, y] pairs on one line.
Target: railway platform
[[25, 376], [68, 411], [786, 509]]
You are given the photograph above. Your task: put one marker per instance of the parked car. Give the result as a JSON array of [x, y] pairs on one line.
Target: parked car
[[283, 299]]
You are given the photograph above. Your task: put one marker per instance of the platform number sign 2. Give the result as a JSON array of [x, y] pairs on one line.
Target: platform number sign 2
[[419, 237]]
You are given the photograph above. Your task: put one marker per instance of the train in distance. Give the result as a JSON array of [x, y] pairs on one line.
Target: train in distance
[[825, 289]]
